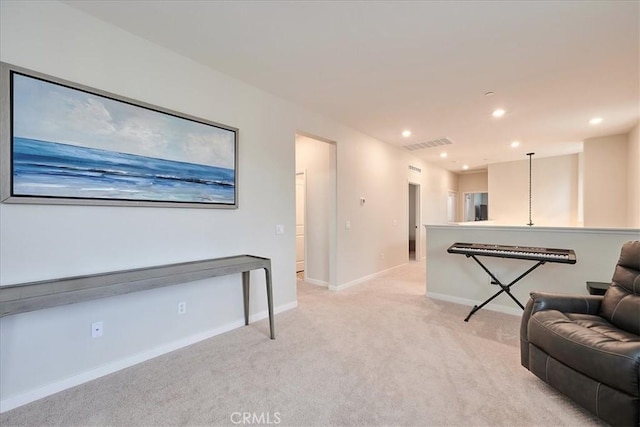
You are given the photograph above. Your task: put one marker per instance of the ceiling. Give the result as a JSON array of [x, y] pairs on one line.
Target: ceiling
[[386, 66]]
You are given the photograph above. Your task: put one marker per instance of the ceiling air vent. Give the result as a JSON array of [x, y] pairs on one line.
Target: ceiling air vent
[[428, 144], [415, 169]]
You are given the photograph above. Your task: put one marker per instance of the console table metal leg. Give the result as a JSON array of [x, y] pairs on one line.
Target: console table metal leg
[[267, 273], [245, 294]]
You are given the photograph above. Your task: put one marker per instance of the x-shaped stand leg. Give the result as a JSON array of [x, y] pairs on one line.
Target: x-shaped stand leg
[[503, 288]]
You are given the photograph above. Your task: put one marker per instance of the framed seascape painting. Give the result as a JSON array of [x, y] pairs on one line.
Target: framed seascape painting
[[64, 143]]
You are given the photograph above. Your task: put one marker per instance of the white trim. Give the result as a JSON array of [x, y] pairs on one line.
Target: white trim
[[117, 365], [302, 172], [465, 301], [316, 282], [476, 225], [364, 279]]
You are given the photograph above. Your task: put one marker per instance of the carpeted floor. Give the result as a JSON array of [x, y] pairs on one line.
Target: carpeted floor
[[377, 354]]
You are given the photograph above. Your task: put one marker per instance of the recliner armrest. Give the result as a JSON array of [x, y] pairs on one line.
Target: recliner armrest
[[539, 301], [588, 304]]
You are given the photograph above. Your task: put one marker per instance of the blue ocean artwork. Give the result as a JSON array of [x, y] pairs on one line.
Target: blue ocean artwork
[[53, 169], [73, 144]]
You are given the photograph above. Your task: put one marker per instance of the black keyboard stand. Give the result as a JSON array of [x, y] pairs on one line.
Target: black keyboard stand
[[503, 288]]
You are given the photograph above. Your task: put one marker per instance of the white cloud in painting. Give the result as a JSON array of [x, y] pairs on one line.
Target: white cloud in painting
[[50, 112], [210, 146], [139, 137], [89, 115]]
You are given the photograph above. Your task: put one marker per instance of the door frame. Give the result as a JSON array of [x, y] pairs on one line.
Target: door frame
[[304, 191], [454, 209], [333, 211], [417, 192]]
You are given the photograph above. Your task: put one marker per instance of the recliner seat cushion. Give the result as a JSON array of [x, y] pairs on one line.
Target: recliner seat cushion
[[590, 345]]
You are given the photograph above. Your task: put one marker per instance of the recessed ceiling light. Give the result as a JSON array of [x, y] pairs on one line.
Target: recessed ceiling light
[[595, 121], [465, 167], [498, 113], [443, 154], [515, 144], [406, 133]]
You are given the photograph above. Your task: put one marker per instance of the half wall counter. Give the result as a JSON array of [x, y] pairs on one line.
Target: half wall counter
[[456, 278]]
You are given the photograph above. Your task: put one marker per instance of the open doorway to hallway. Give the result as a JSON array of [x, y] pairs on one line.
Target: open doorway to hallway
[[315, 210], [414, 231], [301, 185]]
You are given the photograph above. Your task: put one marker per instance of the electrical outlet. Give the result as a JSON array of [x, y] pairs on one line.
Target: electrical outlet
[[182, 307], [97, 329]]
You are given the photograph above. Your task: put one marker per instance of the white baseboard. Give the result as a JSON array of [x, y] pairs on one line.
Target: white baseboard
[[364, 279], [117, 365], [316, 282], [464, 301]]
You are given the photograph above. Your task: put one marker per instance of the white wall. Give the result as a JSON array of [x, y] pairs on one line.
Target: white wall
[[46, 351], [378, 237], [554, 191], [314, 158], [370, 170], [605, 181], [633, 180], [459, 279]]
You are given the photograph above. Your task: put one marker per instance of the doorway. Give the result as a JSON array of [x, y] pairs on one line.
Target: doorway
[[476, 206], [414, 222], [316, 210], [300, 220]]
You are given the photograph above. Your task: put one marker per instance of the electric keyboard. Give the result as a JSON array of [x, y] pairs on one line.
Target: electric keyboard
[[565, 256]]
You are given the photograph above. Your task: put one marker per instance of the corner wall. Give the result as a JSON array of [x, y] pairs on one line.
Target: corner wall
[[377, 237], [605, 181]]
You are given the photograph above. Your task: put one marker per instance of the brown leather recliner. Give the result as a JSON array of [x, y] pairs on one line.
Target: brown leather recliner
[[588, 347]]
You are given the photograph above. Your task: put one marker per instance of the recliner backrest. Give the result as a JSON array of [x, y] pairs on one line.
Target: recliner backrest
[[621, 302]]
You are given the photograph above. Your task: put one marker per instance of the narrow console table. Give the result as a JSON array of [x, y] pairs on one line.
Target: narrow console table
[[24, 297]]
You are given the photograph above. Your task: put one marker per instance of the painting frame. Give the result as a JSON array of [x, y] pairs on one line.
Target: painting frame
[[166, 169]]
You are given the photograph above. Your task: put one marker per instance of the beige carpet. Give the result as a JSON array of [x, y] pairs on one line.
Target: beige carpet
[[376, 354]]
